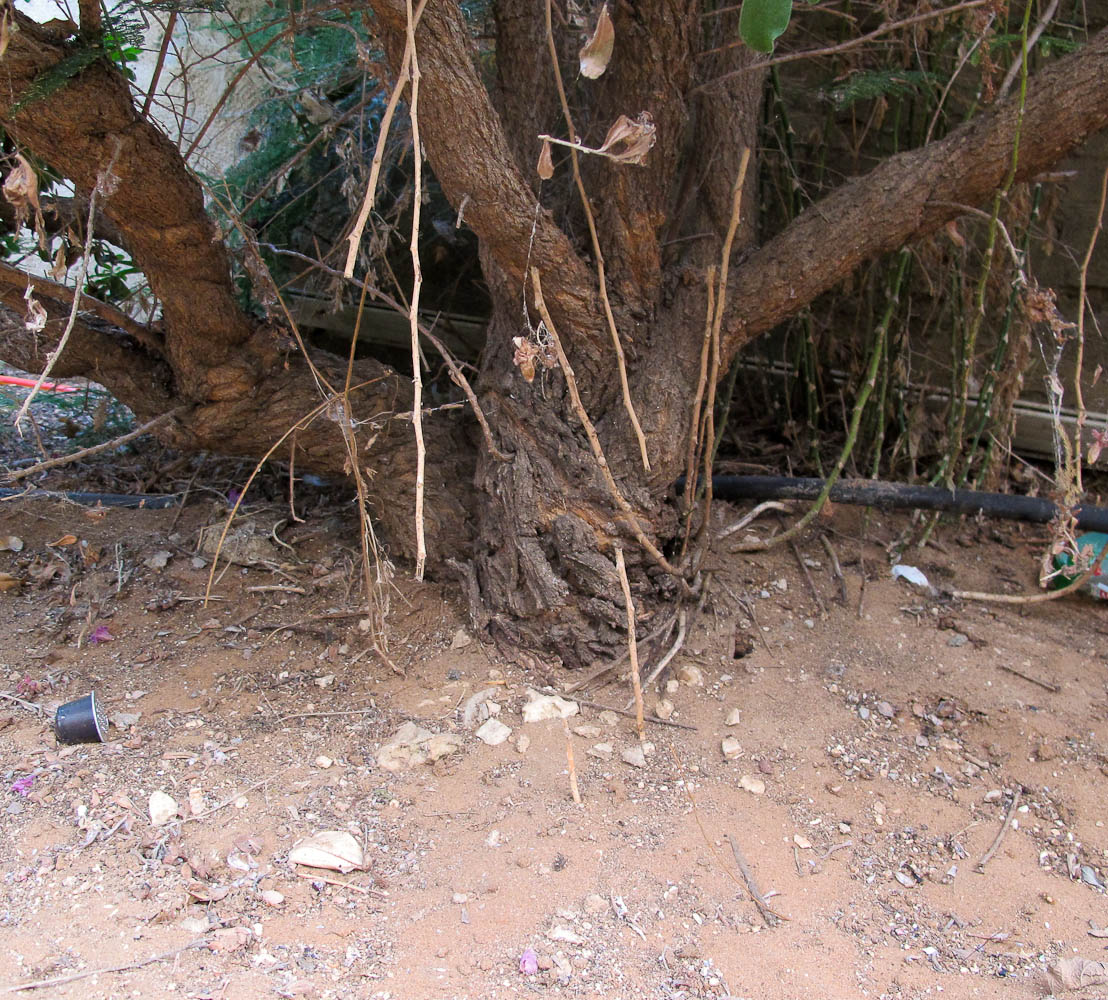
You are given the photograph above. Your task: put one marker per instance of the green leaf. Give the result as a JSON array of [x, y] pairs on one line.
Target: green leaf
[[762, 22]]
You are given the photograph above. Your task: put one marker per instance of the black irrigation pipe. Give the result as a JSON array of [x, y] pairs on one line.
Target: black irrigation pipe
[[135, 500], [874, 493]]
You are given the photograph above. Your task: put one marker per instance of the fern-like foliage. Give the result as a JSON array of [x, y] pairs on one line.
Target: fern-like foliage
[[871, 84]]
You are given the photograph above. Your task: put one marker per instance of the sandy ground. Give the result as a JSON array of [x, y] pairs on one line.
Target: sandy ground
[[862, 760]]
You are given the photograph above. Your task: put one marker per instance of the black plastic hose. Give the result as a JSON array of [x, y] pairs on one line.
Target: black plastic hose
[[135, 500], [874, 493]]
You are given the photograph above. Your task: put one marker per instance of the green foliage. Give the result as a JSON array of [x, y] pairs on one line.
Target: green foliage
[[869, 84], [762, 22]]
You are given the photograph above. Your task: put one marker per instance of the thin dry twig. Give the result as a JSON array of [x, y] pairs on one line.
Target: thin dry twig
[[769, 915], [75, 976], [1017, 66], [104, 186], [757, 512], [1082, 305], [632, 647], [836, 568], [602, 282], [573, 789], [29, 705], [1053, 595], [594, 442], [1045, 685], [77, 456], [698, 397], [355, 237], [611, 665], [807, 576], [413, 304], [831, 50], [228, 801], [631, 715], [364, 890], [707, 443], [682, 621], [1008, 817]]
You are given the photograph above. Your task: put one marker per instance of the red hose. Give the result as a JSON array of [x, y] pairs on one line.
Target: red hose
[[30, 384]]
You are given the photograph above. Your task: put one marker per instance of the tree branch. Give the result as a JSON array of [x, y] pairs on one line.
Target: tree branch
[[913, 194], [156, 205], [97, 351], [472, 160]]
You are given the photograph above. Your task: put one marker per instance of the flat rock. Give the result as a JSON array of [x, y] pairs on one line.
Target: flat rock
[[493, 732]]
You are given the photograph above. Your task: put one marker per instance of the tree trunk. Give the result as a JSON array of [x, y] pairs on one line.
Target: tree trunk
[[534, 535]]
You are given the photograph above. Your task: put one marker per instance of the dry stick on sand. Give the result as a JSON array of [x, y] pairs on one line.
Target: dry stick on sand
[[1008, 817], [1053, 595], [594, 443], [600, 706], [836, 569], [601, 280], [226, 802], [1046, 685], [807, 576], [769, 915], [573, 789], [636, 683], [61, 980]]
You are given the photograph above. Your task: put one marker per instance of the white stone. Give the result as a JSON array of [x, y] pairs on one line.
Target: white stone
[[493, 732]]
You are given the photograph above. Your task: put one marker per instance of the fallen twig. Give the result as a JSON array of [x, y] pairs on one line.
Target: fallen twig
[[611, 665], [29, 705], [226, 802], [1046, 685], [280, 588], [757, 512], [632, 647], [1008, 817], [665, 661], [73, 977], [574, 790], [631, 715], [53, 463], [836, 569], [315, 877], [769, 915], [807, 577]]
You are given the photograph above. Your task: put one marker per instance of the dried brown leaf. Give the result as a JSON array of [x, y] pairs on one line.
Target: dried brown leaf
[[628, 141], [597, 51], [9, 582], [21, 192], [228, 939], [545, 166], [36, 317], [1075, 974]]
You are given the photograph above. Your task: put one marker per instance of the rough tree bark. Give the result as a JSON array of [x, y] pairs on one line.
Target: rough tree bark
[[535, 533]]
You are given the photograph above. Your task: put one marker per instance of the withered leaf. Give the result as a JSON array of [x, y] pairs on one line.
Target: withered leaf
[[545, 166], [597, 51], [1075, 974], [9, 582], [36, 317], [21, 192], [629, 141]]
